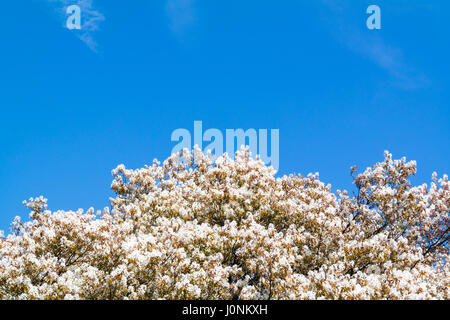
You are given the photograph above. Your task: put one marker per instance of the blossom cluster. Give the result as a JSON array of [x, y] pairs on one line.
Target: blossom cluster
[[199, 227]]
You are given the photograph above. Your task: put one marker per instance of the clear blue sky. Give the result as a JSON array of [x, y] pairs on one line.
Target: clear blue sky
[[76, 104]]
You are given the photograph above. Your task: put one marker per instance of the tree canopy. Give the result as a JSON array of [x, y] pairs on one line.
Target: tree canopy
[[195, 227]]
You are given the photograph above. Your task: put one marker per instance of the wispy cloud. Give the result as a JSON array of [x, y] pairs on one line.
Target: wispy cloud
[[389, 58], [370, 45], [180, 14], [90, 19]]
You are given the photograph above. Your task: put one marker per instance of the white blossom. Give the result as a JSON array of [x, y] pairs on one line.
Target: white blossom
[[194, 228]]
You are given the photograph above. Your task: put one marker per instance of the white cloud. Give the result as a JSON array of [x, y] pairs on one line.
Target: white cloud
[[387, 57], [90, 19], [370, 45], [181, 14]]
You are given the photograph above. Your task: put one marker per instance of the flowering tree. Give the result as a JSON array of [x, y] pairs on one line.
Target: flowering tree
[[194, 228]]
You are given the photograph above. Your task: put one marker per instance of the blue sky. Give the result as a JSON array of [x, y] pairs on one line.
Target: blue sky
[[75, 104]]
